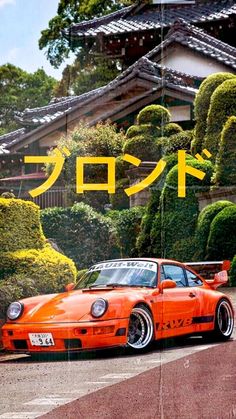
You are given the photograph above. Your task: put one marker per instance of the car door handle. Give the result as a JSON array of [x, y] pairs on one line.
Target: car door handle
[[192, 295]]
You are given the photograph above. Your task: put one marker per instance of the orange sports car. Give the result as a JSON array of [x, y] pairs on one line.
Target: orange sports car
[[124, 302]]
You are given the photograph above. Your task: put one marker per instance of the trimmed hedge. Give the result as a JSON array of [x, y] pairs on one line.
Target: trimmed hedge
[[83, 234], [205, 219], [222, 106], [155, 115], [127, 224], [201, 107], [225, 174], [222, 238], [49, 270], [20, 226]]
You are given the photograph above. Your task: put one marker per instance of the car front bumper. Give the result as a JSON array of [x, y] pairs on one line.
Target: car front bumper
[[67, 336]]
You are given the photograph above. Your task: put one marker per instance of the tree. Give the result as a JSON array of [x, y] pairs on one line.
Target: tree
[[71, 12], [20, 90], [79, 77]]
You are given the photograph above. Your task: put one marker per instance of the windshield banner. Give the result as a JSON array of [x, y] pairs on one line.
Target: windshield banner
[[128, 264]]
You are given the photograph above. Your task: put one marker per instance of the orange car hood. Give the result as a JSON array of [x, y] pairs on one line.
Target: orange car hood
[[72, 306]]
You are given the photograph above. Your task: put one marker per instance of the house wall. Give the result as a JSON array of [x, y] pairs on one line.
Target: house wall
[[194, 63]]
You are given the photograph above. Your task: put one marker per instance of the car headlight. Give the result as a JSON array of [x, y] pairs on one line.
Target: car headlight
[[14, 310], [99, 307]]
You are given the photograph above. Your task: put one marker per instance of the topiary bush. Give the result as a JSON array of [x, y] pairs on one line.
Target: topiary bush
[[20, 226], [155, 115], [171, 129], [143, 147], [180, 141], [205, 219], [222, 106], [201, 107], [127, 223], [222, 238], [232, 274], [83, 234], [145, 129], [225, 174]]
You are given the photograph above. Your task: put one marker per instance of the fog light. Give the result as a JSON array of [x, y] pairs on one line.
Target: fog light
[[79, 331], [104, 330]]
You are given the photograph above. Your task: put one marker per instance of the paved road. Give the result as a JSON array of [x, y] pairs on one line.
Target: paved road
[[33, 388]]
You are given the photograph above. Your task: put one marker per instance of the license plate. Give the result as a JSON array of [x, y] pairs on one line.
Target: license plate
[[41, 339]]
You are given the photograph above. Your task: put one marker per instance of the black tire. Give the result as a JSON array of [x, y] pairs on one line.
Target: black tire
[[224, 321], [141, 329]]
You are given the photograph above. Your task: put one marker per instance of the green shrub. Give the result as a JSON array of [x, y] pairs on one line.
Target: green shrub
[[83, 234], [155, 115], [222, 238], [222, 106], [143, 147], [171, 129], [179, 215], [232, 275], [205, 219], [14, 289], [144, 243], [49, 270], [201, 107], [120, 199], [180, 141], [127, 223], [19, 225], [225, 174]]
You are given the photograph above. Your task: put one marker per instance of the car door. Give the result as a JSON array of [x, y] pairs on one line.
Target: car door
[[178, 304]]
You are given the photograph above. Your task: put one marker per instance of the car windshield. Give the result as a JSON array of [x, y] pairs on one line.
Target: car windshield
[[121, 273]]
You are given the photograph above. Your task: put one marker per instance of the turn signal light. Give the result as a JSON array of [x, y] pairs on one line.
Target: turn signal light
[[103, 330]]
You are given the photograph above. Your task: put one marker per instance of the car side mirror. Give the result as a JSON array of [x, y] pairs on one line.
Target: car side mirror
[[70, 287], [167, 283]]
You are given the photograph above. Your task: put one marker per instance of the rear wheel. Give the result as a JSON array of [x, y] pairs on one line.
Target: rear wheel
[[224, 320], [140, 333]]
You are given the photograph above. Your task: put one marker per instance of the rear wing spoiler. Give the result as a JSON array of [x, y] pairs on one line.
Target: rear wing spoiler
[[214, 273]]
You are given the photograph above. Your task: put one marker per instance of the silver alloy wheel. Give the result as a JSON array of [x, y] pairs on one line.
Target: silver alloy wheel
[[225, 318], [140, 328]]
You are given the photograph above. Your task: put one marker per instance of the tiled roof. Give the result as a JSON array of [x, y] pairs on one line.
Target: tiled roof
[[143, 67], [152, 17], [9, 139], [197, 40]]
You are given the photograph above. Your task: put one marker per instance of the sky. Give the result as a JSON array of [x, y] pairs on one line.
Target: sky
[[20, 27]]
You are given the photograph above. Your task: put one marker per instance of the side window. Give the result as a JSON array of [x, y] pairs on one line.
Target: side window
[[176, 273], [193, 280]]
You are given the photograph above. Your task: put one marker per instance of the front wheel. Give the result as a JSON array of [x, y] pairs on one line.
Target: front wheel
[[140, 333], [224, 320]]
